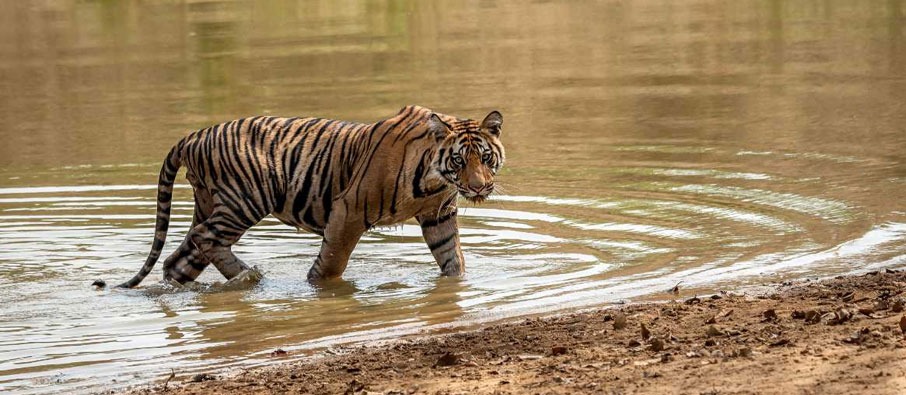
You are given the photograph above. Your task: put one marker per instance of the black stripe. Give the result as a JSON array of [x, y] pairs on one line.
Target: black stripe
[[302, 195], [197, 264], [318, 134], [309, 219], [430, 223], [396, 185], [281, 201], [365, 215], [417, 190], [317, 266], [164, 196], [163, 221], [440, 243]]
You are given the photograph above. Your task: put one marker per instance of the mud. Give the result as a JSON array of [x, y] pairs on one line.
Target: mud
[[837, 336]]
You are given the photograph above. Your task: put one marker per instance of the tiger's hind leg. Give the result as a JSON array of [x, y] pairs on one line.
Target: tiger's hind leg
[[186, 263], [210, 242]]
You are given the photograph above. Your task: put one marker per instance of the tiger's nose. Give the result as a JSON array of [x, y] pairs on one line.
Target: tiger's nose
[[479, 187], [476, 185]]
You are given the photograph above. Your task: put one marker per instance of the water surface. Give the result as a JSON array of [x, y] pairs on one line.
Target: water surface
[[715, 143]]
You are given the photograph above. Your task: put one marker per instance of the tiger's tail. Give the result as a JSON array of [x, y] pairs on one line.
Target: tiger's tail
[[164, 197]]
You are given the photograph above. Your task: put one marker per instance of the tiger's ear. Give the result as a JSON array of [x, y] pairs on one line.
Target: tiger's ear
[[438, 127], [493, 123]]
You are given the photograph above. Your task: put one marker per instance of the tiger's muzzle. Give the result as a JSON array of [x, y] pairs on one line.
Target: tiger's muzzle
[[476, 194]]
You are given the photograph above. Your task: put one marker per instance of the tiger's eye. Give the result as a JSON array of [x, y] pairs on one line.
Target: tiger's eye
[[486, 158]]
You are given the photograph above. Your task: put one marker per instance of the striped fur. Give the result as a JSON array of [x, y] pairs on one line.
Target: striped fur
[[333, 178]]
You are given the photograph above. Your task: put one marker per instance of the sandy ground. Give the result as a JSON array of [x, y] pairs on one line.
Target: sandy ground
[[839, 336]]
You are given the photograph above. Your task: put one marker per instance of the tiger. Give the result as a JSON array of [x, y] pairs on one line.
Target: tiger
[[333, 178]]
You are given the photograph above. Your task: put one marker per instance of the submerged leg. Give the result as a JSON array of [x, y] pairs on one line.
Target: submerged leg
[[215, 238], [442, 235], [185, 263], [209, 241]]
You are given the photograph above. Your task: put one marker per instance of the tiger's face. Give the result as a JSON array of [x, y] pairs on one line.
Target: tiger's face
[[469, 153]]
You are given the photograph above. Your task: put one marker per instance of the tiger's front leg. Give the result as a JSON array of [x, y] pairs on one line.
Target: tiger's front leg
[[341, 235], [442, 235]]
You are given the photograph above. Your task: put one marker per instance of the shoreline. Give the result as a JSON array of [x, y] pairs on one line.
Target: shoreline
[[841, 335]]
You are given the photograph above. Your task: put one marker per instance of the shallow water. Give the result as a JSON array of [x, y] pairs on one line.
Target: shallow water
[[718, 144]]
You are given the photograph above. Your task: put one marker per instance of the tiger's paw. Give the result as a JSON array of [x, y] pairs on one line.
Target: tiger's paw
[[245, 279]]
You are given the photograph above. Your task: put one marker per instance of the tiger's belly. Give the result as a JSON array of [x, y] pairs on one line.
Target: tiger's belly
[[291, 220], [377, 218]]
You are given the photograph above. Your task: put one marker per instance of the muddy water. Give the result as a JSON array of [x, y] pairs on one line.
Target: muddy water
[[715, 143]]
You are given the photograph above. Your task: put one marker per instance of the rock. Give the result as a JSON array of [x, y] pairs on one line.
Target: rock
[[645, 332], [354, 387], [769, 315], [812, 317], [743, 352], [716, 297], [619, 321], [558, 350], [867, 311], [202, 377], [100, 284], [693, 300], [839, 317], [712, 331], [528, 357], [881, 305], [855, 338], [712, 320], [656, 345], [897, 306], [278, 353], [666, 357], [710, 343], [448, 359], [848, 297], [903, 324], [781, 342], [633, 343]]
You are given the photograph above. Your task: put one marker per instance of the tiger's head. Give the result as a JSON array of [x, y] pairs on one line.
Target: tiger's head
[[469, 153]]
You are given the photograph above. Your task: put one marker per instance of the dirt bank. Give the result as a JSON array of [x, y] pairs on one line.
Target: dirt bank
[[842, 335]]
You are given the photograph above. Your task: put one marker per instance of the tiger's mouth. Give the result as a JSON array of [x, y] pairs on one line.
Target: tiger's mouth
[[474, 196]]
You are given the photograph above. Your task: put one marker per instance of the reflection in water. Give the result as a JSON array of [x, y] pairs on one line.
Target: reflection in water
[[337, 311], [717, 143]]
